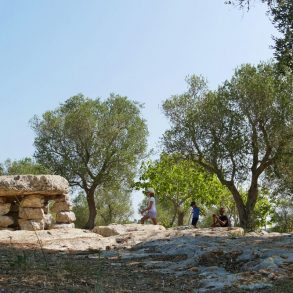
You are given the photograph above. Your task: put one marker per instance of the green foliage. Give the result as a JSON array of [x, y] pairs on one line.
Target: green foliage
[[22, 167], [177, 182], [113, 206], [92, 143], [279, 177], [80, 208], [282, 215], [263, 210], [236, 132]]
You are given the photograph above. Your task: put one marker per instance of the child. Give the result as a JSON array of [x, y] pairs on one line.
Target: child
[[195, 214], [151, 208]]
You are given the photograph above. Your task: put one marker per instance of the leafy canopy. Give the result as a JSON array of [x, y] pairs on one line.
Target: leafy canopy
[[237, 131], [92, 143]]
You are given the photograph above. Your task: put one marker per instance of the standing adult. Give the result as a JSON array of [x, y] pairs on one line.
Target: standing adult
[[195, 213], [151, 212]]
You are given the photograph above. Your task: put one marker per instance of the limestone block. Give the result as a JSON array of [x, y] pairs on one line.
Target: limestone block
[[4, 208], [31, 225], [65, 217], [32, 201], [63, 226], [6, 221], [31, 213], [61, 206], [33, 184]]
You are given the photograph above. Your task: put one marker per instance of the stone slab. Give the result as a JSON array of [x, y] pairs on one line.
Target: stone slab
[[47, 185]]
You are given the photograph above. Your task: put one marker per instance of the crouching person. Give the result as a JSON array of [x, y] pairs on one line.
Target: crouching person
[[220, 220]]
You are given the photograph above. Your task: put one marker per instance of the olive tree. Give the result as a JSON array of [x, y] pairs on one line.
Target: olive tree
[[91, 143], [237, 131]]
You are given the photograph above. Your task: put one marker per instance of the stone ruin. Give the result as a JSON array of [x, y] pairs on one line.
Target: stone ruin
[[25, 201]]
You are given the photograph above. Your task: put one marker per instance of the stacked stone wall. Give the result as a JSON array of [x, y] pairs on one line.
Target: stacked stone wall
[[25, 200]]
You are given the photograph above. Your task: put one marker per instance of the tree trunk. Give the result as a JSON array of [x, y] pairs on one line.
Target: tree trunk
[[180, 218], [245, 212], [92, 209]]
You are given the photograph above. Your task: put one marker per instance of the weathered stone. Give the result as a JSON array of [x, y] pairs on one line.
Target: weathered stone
[[207, 256], [31, 213], [32, 201], [61, 206], [33, 184], [31, 225], [2, 200], [119, 229], [6, 221], [4, 208], [63, 226], [48, 220], [65, 217]]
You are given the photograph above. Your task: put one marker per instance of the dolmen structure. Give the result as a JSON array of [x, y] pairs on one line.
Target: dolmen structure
[[35, 202]]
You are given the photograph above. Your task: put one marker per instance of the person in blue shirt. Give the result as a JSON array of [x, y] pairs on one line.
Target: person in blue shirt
[[195, 214]]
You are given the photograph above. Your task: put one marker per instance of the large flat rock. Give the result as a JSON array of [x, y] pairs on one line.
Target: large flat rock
[[33, 184]]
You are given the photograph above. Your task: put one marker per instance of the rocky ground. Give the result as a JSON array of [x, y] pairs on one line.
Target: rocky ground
[[136, 258]]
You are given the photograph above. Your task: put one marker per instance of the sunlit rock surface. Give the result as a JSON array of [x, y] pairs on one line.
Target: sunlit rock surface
[[218, 257]]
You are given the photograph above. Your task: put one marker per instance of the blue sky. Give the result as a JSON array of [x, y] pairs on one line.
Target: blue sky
[[51, 50]]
